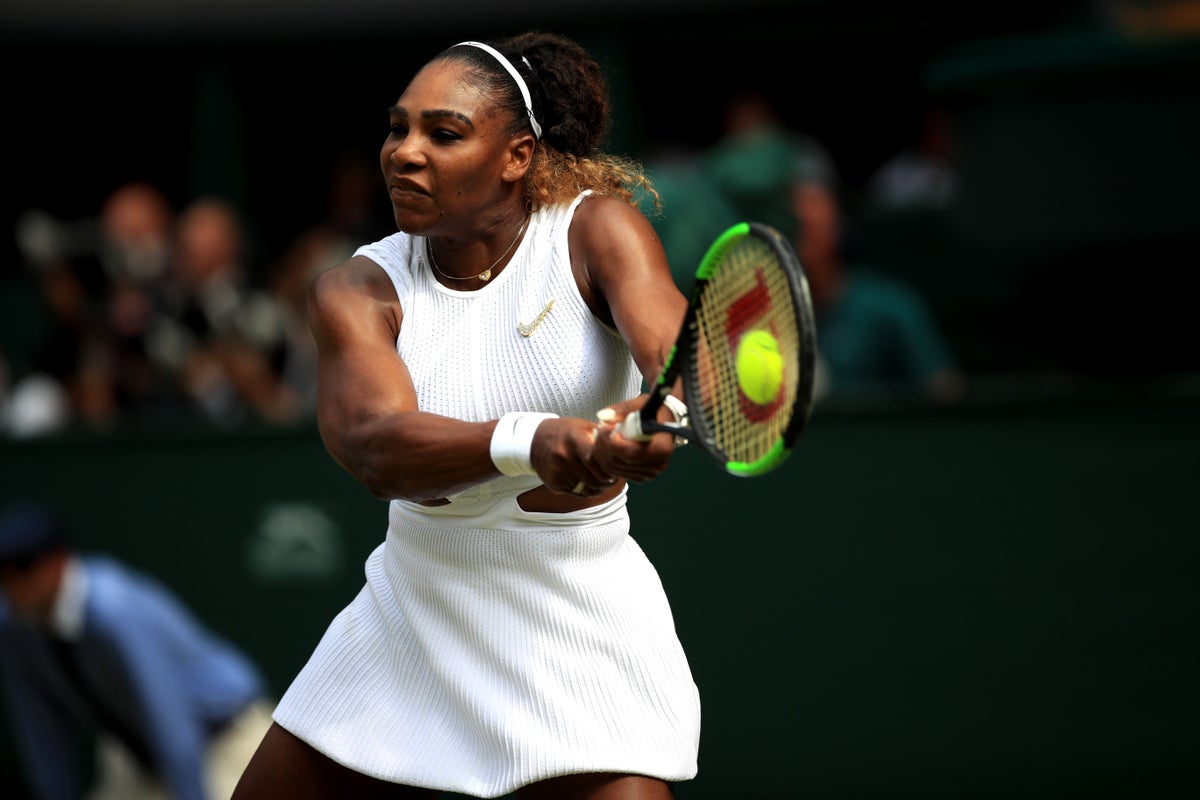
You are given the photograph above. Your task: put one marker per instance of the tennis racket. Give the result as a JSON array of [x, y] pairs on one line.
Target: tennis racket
[[748, 284]]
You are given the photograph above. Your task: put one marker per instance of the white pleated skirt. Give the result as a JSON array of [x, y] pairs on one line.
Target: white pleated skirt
[[481, 659]]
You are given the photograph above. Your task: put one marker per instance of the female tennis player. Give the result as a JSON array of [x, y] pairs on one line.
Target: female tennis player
[[511, 636]]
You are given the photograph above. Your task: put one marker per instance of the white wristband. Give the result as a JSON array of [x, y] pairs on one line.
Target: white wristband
[[512, 441], [677, 408]]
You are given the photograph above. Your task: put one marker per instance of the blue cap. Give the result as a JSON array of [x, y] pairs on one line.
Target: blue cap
[[27, 530]]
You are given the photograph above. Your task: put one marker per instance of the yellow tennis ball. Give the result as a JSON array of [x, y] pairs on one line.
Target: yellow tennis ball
[[759, 367]]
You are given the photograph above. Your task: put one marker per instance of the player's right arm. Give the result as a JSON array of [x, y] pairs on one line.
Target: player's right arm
[[367, 410]]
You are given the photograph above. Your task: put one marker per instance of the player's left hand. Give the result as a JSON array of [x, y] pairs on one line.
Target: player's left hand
[[637, 461]]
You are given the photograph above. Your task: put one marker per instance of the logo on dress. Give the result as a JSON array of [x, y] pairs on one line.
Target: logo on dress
[[527, 330]]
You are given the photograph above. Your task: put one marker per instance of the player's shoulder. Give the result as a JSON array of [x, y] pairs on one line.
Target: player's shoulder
[[601, 209], [602, 222], [357, 279]]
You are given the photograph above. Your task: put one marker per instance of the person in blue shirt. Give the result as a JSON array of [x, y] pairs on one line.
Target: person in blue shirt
[[90, 646]]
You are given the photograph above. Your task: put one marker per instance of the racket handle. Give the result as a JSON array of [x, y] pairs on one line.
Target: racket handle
[[631, 428]]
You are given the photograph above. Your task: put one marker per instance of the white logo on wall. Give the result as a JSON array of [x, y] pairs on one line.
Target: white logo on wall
[[295, 541]]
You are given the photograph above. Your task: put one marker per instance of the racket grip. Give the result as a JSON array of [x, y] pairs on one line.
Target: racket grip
[[631, 428]]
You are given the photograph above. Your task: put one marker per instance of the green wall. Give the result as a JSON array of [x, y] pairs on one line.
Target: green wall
[[985, 602]]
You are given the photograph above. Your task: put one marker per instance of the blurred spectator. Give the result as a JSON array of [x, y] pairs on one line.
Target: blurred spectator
[[96, 278], [151, 315], [135, 234], [922, 176], [135, 249], [223, 338], [93, 651], [744, 175], [875, 334], [753, 162], [693, 213]]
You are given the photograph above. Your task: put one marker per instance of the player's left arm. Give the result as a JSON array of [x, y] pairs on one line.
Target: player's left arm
[[623, 274]]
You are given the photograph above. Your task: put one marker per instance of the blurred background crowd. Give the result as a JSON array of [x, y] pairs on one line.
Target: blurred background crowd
[[176, 185], [981, 584], [146, 313]]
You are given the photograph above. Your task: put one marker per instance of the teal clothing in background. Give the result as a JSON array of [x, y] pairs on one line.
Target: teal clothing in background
[[746, 177], [879, 334], [755, 172], [693, 214]]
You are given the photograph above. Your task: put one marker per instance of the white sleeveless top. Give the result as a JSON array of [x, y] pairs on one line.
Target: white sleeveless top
[[491, 647], [468, 357]]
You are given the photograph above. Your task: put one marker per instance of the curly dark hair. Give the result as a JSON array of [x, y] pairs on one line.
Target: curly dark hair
[[571, 103]]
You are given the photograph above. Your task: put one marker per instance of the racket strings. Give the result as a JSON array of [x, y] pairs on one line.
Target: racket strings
[[750, 290]]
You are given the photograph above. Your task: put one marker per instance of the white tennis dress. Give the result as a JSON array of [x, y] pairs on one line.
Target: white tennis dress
[[492, 647]]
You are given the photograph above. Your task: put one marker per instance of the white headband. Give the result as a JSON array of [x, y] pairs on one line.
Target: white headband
[[504, 62]]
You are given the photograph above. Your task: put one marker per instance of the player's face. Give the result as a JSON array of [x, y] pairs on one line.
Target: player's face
[[445, 157]]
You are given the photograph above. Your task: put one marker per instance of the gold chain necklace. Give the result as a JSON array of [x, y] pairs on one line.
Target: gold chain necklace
[[487, 273]]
